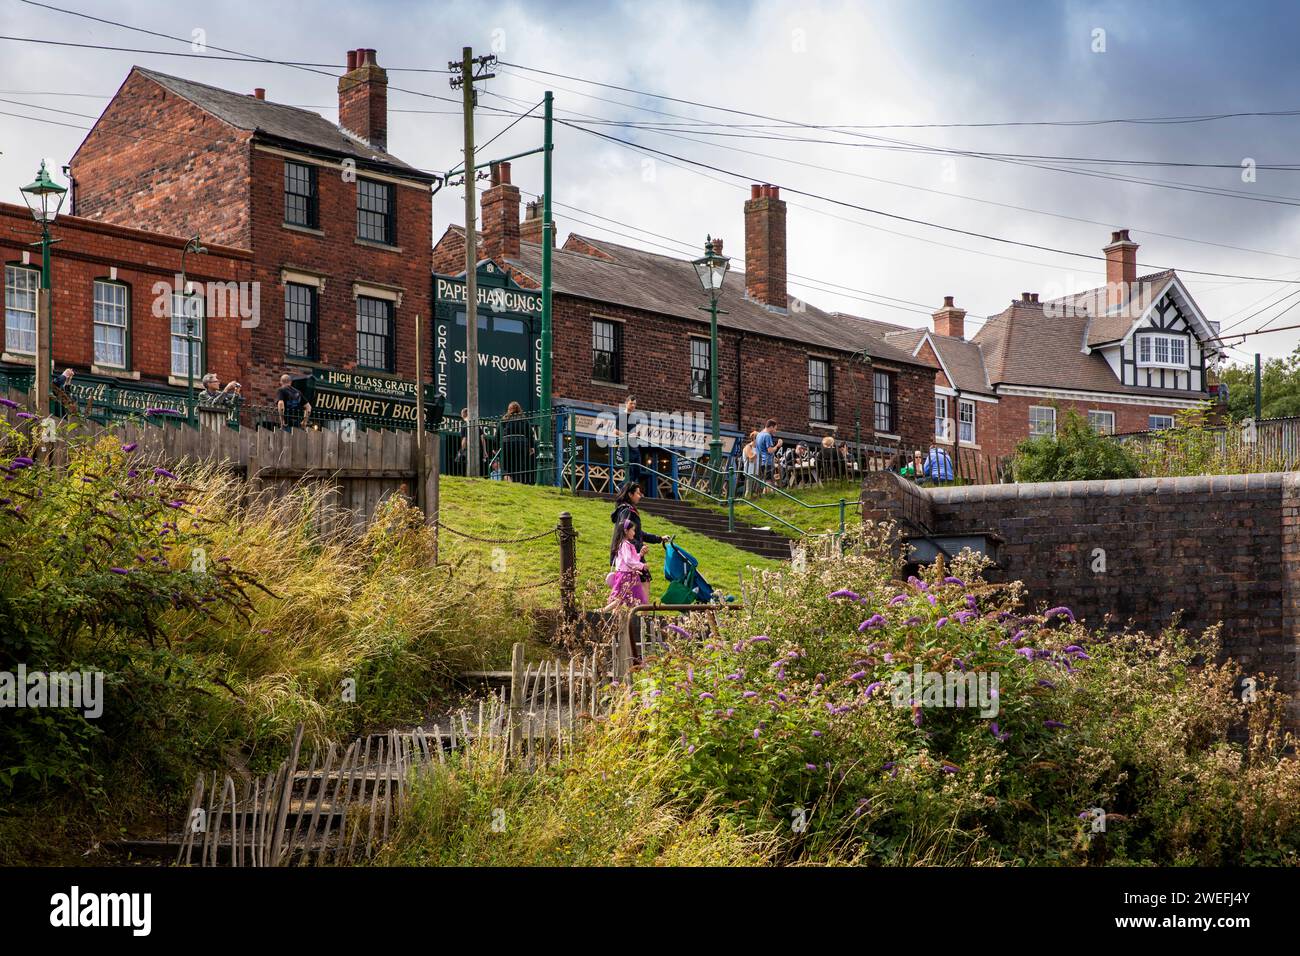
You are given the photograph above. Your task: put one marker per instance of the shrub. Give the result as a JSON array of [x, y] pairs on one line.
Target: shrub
[[1075, 453]]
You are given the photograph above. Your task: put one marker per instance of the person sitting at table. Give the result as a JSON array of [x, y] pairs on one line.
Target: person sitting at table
[[938, 465]]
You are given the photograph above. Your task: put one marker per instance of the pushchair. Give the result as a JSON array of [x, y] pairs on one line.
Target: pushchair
[[685, 583]]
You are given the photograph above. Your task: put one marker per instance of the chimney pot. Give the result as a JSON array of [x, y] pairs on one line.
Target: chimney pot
[[500, 174], [1024, 297], [765, 257], [717, 247], [1121, 268], [1033, 297], [947, 302], [363, 98], [531, 228], [259, 93]]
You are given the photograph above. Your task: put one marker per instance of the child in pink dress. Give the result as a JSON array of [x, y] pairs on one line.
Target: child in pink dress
[[625, 585]]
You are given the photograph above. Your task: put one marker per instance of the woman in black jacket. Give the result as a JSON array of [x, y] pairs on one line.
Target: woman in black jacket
[[516, 445], [625, 508]]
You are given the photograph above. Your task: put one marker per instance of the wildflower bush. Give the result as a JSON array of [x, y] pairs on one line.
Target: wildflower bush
[[790, 720], [1077, 452], [218, 622]]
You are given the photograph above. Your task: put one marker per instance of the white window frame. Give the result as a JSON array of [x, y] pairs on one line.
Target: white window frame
[[17, 293], [1034, 430], [941, 418], [103, 308], [1151, 345], [1108, 429], [178, 345], [965, 437], [1153, 427]]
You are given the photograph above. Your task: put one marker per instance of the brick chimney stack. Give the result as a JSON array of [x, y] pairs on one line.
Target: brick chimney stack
[[1121, 268], [950, 320], [501, 229], [363, 98], [765, 247], [531, 228]]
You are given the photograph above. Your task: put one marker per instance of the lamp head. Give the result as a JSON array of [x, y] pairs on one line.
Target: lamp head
[[711, 268], [44, 197]]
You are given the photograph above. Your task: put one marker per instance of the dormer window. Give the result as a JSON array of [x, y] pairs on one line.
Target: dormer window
[[1162, 351]]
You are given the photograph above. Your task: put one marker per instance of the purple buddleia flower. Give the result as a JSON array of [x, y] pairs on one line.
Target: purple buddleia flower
[[707, 696], [782, 698], [690, 674], [120, 570], [1017, 636], [1062, 611], [738, 675], [1053, 724], [130, 447], [750, 693], [940, 623], [163, 473], [912, 622], [872, 688], [930, 598], [8, 403], [846, 593], [876, 620], [917, 583], [26, 415], [971, 603], [897, 599], [816, 733], [857, 675], [679, 630], [952, 580], [947, 768], [810, 766], [917, 719], [888, 658], [756, 733], [691, 749], [1026, 652], [759, 638], [964, 616]]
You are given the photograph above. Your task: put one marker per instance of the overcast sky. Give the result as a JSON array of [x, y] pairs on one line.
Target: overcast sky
[[843, 64]]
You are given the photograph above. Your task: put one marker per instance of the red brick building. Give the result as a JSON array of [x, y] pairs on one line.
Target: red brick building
[[629, 322], [112, 294], [338, 230], [1128, 356]]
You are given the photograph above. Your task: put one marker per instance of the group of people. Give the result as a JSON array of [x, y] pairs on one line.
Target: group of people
[[932, 468], [507, 450], [768, 461]]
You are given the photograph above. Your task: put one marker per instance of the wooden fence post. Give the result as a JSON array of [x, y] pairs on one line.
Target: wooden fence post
[[568, 569], [517, 677]]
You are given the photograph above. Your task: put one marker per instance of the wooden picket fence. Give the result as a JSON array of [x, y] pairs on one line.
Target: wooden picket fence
[[346, 804]]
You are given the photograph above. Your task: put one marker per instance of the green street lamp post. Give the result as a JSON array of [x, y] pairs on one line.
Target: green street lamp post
[[712, 269], [197, 247], [44, 197]]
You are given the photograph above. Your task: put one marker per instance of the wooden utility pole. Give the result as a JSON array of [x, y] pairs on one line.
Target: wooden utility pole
[[44, 360], [420, 476], [466, 79]]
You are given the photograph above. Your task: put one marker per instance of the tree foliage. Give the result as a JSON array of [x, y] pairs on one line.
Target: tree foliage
[[1075, 453]]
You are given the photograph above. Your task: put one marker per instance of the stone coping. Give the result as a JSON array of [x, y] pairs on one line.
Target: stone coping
[[1113, 488]]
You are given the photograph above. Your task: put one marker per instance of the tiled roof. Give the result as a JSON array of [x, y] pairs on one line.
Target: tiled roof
[[277, 121], [669, 286], [1111, 326], [1025, 345], [961, 357]]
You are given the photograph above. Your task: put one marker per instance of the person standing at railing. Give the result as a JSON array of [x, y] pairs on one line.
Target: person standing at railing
[[749, 456], [631, 443], [516, 452], [214, 397], [938, 465], [288, 400], [766, 445]]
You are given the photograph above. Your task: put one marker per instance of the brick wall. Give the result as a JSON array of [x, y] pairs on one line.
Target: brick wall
[[154, 161], [89, 250], [773, 374], [334, 254], [1008, 425], [1217, 549]]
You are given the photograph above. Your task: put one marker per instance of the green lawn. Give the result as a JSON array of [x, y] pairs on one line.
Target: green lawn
[[496, 509], [814, 520]]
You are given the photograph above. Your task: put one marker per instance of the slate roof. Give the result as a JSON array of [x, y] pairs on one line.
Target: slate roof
[[963, 358], [279, 122], [669, 286]]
